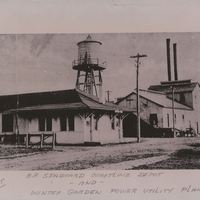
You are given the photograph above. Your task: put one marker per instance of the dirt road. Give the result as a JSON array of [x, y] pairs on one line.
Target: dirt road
[[121, 156]]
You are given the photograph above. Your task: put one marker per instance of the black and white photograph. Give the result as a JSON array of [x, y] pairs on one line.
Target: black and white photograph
[[95, 101], [99, 99]]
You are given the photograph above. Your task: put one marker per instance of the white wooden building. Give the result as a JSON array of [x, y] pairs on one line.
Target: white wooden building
[[156, 105], [74, 117]]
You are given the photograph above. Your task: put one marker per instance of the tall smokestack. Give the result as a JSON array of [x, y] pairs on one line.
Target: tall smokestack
[[175, 63], [168, 59]]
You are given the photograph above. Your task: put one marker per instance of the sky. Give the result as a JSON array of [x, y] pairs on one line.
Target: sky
[[43, 62], [32, 61]]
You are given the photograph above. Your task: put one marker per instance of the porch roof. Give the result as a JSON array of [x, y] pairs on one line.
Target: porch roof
[[68, 106]]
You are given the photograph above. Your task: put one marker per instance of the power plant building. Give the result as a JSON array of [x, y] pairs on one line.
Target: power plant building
[[172, 105], [156, 114]]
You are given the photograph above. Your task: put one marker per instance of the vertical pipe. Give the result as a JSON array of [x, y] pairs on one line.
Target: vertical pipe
[[168, 59], [175, 62], [173, 113]]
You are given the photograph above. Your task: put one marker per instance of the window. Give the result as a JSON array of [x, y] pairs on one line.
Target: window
[[167, 120], [71, 122], [45, 124], [49, 124], [7, 123], [153, 119], [41, 124], [63, 123], [129, 102], [67, 122], [182, 98]]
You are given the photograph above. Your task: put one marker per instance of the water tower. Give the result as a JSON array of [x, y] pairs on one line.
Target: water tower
[[88, 67]]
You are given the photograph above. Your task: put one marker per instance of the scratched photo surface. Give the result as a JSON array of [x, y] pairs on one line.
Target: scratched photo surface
[[113, 101]]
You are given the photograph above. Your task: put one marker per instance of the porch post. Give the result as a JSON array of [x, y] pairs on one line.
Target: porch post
[[91, 128], [27, 140], [84, 128], [41, 140], [121, 128], [53, 140]]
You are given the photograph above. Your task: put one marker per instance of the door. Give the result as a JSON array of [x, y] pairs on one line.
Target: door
[[153, 120]]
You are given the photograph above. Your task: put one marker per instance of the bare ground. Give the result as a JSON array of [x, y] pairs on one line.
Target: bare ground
[[151, 153]]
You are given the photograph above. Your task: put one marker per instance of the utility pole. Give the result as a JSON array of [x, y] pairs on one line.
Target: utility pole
[[173, 113], [137, 57], [108, 92], [16, 118]]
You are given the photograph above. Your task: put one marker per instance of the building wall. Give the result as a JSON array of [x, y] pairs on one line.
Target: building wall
[[70, 137], [183, 118], [107, 133], [62, 137], [84, 129], [179, 96], [196, 98], [146, 108], [192, 99], [88, 137], [196, 106], [104, 133]]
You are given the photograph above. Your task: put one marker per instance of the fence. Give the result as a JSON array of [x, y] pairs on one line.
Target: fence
[[28, 139]]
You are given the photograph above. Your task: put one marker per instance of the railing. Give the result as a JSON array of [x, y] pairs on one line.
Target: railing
[[86, 61], [42, 137]]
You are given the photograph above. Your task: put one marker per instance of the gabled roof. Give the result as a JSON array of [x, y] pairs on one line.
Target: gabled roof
[[53, 100], [158, 98]]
